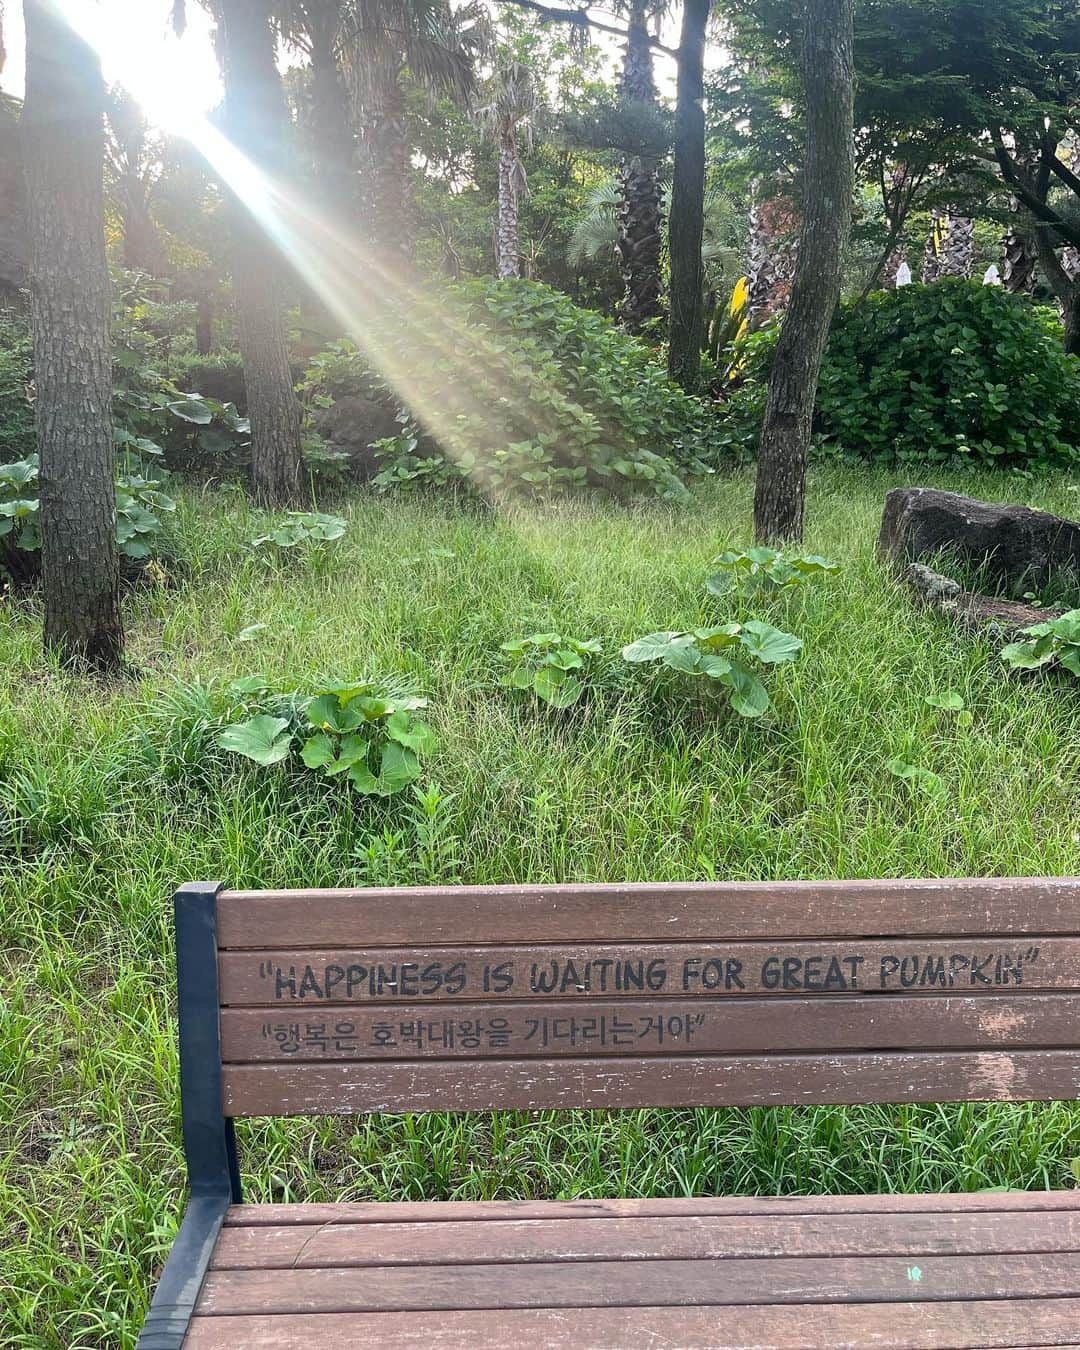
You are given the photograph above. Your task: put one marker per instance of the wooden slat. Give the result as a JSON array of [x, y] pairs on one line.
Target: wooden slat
[[490, 1085], [637, 911], [738, 1026], [622, 1284], [412, 975], [636, 1239], [725, 1206], [988, 1325]]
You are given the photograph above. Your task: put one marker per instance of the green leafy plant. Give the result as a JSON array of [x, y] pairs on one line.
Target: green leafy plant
[[302, 527], [955, 373], [924, 779], [140, 504], [517, 390], [765, 571], [720, 655], [354, 730], [551, 665], [1053, 643]]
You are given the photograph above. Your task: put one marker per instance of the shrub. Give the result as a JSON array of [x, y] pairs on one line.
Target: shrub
[[1053, 643], [553, 667], [954, 373], [17, 439], [512, 388]]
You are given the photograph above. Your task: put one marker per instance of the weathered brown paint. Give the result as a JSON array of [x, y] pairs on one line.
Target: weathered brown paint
[[645, 911]]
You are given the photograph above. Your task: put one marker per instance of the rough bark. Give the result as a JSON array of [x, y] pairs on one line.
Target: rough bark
[[1070, 254], [686, 225], [255, 116], [931, 268], [774, 230], [63, 154], [1019, 252], [640, 214], [385, 181], [507, 250], [957, 257], [830, 180]]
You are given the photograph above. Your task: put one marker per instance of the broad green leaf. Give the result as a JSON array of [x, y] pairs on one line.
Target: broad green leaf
[[653, 647], [361, 777], [191, 410], [251, 632], [813, 562], [748, 697], [416, 736], [398, 768], [1022, 656], [326, 713], [720, 583], [770, 645], [1070, 658], [929, 781], [560, 695], [264, 739], [686, 659], [565, 659], [716, 639], [715, 666], [547, 680], [249, 684], [352, 750], [515, 646], [949, 700], [318, 751], [1067, 626], [521, 677]]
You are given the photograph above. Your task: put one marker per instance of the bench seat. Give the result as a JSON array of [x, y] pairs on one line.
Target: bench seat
[[985, 1269]]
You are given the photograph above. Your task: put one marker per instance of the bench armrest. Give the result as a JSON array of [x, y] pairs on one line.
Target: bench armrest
[[170, 1312]]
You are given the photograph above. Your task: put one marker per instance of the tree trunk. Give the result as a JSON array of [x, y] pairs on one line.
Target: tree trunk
[[830, 182], [63, 153], [640, 215], [1019, 252], [957, 255], [331, 130], [686, 225], [386, 190], [774, 222], [255, 116], [507, 251]]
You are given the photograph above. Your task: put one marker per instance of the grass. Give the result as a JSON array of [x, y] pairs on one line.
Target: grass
[[109, 797]]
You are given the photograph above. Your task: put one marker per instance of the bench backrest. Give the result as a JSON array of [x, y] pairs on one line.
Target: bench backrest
[[735, 994]]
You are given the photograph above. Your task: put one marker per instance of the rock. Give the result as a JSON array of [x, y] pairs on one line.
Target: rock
[[1021, 548], [1004, 618], [351, 423]]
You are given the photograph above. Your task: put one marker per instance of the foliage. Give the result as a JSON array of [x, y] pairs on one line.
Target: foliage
[[720, 654], [551, 665], [1053, 643], [17, 435], [955, 373], [519, 391], [312, 528], [765, 571], [140, 504], [351, 729]]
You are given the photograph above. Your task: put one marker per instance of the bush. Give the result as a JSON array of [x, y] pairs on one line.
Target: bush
[[954, 373], [510, 387], [17, 438]]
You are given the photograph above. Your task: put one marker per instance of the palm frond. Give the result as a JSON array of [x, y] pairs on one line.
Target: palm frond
[[596, 234]]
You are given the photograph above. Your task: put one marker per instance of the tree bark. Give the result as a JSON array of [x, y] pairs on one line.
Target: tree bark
[[830, 181], [63, 134], [640, 214], [686, 226], [255, 116], [958, 248], [774, 222], [507, 250]]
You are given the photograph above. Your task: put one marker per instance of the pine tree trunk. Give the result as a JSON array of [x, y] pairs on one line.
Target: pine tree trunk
[[780, 494], [508, 255], [63, 153], [640, 215], [686, 226], [255, 116]]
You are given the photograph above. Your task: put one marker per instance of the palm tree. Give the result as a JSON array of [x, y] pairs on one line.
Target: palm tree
[[507, 117], [640, 214], [957, 254], [132, 159], [435, 43]]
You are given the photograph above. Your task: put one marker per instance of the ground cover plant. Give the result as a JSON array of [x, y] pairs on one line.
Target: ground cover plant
[[110, 795]]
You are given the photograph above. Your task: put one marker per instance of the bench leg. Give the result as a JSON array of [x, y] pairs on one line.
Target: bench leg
[[170, 1312]]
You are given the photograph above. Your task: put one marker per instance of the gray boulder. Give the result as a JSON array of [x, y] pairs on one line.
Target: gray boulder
[[1020, 548]]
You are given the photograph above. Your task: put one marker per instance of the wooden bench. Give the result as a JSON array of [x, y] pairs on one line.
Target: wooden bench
[[523, 997]]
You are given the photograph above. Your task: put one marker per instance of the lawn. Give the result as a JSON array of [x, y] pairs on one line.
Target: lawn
[[109, 797]]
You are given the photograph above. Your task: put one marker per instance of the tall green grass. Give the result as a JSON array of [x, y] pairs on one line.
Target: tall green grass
[[109, 797]]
